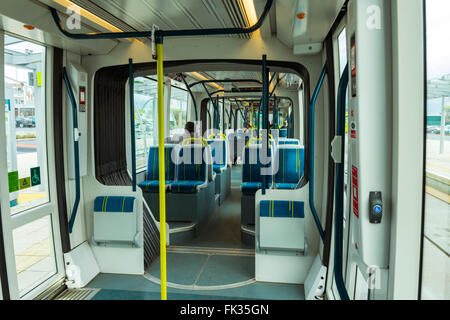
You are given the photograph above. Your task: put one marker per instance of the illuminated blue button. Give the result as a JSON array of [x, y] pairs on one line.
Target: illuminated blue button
[[377, 209]]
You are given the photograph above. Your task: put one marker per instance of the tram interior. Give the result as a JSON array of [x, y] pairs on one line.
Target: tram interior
[[220, 165]]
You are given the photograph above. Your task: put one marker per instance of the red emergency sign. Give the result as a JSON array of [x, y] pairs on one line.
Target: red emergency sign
[[355, 191], [82, 95]]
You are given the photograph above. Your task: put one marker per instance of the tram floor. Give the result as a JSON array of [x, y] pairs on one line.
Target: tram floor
[[213, 266], [127, 287]]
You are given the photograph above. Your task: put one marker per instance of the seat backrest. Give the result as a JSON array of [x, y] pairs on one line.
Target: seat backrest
[[253, 163], [282, 209], [290, 163], [191, 164], [114, 204], [153, 163], [219, 151], [283, 133]]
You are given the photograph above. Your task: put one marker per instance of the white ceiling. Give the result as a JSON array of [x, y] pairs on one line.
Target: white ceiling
[[199, 14]]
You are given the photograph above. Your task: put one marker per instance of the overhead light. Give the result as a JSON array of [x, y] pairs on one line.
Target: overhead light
[[200, 77], [88, 15], [249, 6]]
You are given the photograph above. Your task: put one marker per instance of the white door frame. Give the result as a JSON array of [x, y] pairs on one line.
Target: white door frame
[[49, 208]]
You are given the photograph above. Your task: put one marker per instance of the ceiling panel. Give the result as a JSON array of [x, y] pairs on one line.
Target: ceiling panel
[[320, 16], [176, 14]]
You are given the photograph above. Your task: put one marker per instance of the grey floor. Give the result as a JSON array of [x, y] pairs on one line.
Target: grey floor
[[203, 270]]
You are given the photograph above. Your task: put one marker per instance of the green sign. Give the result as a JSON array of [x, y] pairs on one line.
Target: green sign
[[35, 174], [13, 181], [24, 183]]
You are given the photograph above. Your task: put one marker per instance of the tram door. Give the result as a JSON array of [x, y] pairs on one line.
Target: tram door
[[362, 42], [29, 209]]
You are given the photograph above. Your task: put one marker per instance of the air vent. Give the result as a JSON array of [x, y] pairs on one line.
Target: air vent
[[78, 294], [238, 16], [103, 14]]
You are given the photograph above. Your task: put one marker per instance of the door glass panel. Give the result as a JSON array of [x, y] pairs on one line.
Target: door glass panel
[[436, 241], [34, 254], [178, 110], [146, 117], [25, 124]]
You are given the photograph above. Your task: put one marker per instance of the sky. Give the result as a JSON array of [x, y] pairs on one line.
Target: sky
[[438, 45]]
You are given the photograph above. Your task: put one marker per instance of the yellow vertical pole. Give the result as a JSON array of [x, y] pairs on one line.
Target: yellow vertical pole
[[162, 170]]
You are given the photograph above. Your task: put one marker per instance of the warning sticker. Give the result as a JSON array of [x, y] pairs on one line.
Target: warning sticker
[[24, 183], [13, 181], [35, 174], [355, 191]]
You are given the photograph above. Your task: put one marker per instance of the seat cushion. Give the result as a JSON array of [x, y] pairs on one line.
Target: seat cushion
[[286, 186], [152, 185], [250, 188], [186, 186]]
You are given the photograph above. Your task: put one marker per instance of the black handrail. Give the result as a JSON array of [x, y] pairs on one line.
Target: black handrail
[[132, 129], [162, 33], [191, 94], [224, 81], [339, 191], [76, 153], [269, 96], [311, 151], [265, 107], [214, 105]]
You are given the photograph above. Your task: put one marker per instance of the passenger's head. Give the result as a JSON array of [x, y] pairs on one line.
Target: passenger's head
[[190, 127]]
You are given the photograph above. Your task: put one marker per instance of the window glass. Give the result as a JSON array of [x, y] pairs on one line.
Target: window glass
[[342, 40], [25, 124], [436, 262], [146, 117], [34, 254], [178, 110]]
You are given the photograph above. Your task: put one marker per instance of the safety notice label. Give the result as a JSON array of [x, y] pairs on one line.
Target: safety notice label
[[13, 181]]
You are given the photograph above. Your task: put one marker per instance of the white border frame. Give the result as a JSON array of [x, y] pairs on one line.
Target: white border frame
[[50, 208]]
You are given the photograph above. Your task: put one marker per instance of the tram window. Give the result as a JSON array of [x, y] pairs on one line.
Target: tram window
[[178, 110], [25, 124], [342, 41], [435, 260], [342, 46], [146, 113]]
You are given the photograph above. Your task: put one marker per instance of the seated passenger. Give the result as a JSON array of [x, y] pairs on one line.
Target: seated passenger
[[189, 133]]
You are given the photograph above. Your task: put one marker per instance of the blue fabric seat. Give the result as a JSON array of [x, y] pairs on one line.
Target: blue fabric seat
[[151, 184], [282, 209], [288, 142], [114, 204], [286, 186], [251, 170], [191, 169], [252, 187], [219, 154], [185, 186], [290, 166], [283, 133]]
